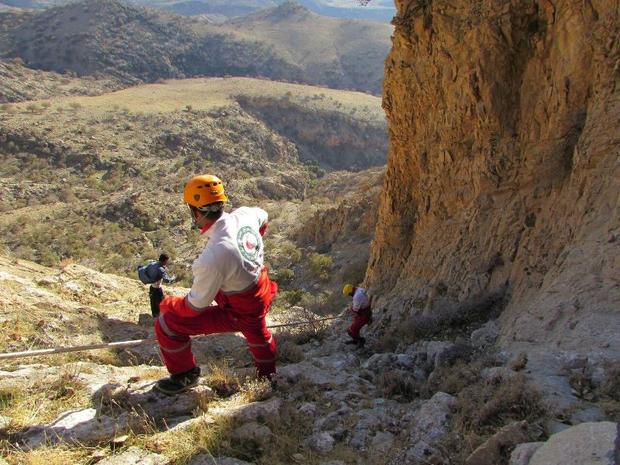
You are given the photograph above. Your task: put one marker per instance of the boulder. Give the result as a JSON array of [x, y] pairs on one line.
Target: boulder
[[136, 456], [584, 444], [522, 454]]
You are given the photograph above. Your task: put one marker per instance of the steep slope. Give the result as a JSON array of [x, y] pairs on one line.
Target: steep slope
[[336, 53], [502, 189]]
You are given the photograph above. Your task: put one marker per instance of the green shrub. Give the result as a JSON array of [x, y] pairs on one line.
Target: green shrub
[[320, 265], [292, 297], [283, 276]]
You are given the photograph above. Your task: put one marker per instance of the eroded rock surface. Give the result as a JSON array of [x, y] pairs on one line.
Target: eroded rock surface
[[502, 182]]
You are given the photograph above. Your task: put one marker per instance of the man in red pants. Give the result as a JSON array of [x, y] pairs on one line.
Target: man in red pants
[[361, 308], [231, 290]]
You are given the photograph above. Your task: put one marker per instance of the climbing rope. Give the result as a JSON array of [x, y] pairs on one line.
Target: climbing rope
[[132, 343]]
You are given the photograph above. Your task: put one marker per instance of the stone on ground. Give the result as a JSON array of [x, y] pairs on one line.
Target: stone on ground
[[584, 444], [522, 454], [428, 425], [136, 456]]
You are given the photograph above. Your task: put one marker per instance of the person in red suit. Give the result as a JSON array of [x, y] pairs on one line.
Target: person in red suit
[[231, 289]]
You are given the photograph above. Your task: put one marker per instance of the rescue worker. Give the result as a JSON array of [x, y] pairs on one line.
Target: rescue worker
[[158, 272], [231, 290], [361, 309]]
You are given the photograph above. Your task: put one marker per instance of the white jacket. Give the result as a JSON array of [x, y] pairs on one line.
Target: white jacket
[[360, 300], [232, 259]]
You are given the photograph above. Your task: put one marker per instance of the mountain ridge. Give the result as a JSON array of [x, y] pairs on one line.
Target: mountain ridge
[[132, 44]]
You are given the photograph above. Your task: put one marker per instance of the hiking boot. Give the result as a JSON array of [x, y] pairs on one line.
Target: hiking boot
[[180, 382], [361, 341], [351, 341]]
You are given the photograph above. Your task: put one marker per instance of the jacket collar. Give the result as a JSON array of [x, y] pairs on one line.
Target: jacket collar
[[211, 228]]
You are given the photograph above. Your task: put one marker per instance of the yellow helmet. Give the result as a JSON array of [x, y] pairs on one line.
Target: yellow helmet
[[347, 289], [204, 190]]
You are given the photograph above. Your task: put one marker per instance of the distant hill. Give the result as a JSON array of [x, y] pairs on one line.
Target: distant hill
[[333, 52], [376, 10], [133, 44]]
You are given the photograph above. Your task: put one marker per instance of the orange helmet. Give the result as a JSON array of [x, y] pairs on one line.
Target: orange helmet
[[204, 190]]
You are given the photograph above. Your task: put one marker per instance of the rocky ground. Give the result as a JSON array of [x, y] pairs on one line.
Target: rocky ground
[[440, 401]]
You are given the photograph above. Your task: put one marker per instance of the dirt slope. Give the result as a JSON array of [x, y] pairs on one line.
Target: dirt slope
[[502, 189]]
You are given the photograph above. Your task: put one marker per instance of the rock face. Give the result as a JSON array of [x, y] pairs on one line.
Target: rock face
[[502, 181]]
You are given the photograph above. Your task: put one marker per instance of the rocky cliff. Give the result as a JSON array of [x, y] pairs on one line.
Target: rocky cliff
[[502, 188]]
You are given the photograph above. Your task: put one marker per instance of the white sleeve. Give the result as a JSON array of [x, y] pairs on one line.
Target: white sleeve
[[207, 282], [263, 216]]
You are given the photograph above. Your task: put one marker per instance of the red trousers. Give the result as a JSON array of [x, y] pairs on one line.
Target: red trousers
[[362, 318], [243, 313]]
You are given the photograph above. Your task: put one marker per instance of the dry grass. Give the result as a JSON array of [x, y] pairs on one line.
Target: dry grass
[[42, 403], [484, 407], [398, 385], [48, 456], [222, 378], [181, 445], [210, 93]]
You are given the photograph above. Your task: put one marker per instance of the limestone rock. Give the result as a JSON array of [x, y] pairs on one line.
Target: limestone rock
[[384, 416], [142, 398], [501, 187], [584, 444], [321, 443], [522, 454], [382, 442], [253, 431], [589, 414], [490, 452], [428, 425], [266, 410], [136, 456], [486, 335], [440, 352], [308, 409], [84, 426]]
